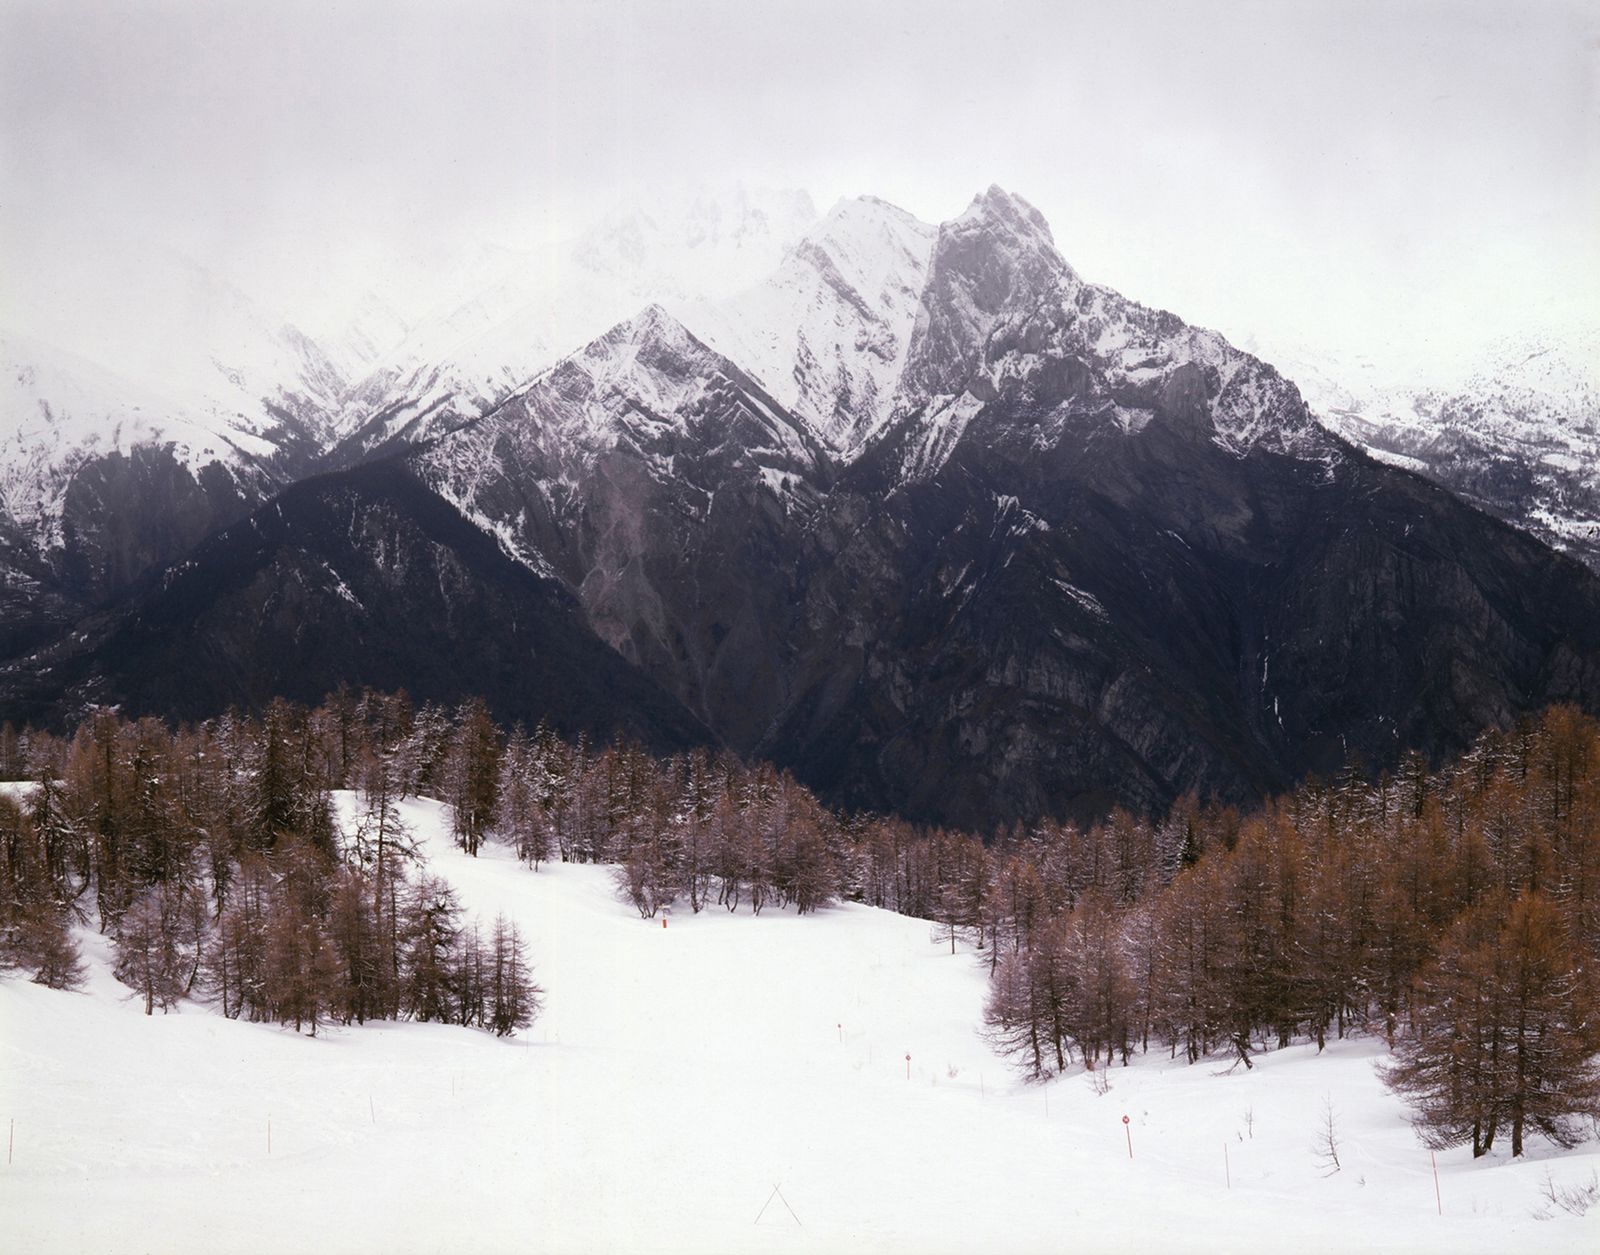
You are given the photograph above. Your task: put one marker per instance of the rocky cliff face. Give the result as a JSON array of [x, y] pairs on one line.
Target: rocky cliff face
[[364, 578], [1144, 613]]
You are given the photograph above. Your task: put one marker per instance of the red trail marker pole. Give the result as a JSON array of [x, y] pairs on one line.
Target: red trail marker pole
[[908, 1067], [1129, 1132]]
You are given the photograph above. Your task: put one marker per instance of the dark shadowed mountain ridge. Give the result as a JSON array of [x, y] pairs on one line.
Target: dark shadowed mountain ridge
[[362, 577]]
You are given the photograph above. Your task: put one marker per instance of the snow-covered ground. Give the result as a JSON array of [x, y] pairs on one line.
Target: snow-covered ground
[[675, 1079]]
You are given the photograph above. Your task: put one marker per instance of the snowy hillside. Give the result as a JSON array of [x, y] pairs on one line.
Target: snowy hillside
[[131, 346], [728, 1083]]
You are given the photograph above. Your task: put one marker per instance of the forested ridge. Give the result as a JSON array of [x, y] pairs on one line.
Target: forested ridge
[[1455, 909]]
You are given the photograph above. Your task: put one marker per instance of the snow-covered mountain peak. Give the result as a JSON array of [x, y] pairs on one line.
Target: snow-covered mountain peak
[[827, 332], [651, 358], [645, 408], [1007, 330], [653, 322], [654, 329], [1003, 224], [864, 213], [650, 383], [994, 262], [997, 208], [868, 252]]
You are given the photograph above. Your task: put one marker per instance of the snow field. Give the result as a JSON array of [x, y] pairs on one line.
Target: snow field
[[675, 1078]]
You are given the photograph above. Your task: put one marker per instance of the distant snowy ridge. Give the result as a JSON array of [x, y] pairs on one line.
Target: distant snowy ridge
[[1517, 433], [132, 347]]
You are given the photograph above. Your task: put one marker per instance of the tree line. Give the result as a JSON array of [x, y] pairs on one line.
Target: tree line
[[213, 859], [1356, 905], [1455, 911]]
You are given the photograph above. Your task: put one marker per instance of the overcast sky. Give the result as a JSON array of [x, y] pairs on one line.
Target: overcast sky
[[1356, 172]]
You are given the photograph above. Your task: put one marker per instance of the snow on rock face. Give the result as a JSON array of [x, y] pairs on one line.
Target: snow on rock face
[[1004, 318], [828, 332], [645, 378], [996, 260], [648, 392]]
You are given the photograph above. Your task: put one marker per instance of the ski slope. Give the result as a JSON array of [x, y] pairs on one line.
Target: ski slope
[[676, 1077]]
